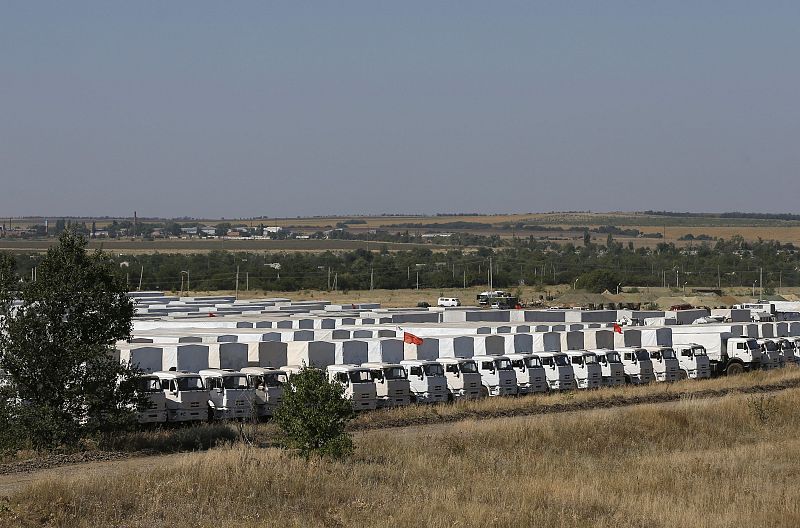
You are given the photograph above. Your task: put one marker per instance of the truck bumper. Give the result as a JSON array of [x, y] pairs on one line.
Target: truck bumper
[[145, 417]]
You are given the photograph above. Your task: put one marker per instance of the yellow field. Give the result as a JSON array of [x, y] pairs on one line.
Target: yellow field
[[724, 462]]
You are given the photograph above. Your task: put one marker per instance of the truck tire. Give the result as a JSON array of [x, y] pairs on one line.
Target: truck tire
[[682, 375], [484, 392], [627, 380], [734, 369]]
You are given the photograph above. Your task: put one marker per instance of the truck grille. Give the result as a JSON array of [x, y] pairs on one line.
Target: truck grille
[[194, 405]]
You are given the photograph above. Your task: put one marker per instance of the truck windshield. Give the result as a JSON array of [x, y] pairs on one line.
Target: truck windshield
[[395, 373], [770, 346], [148, 385], [360, 376], [275, 379], [234, 382], [503, 364], [698, 351], [590, 359], [533, 362], [642, 355], [561, 361], [377, 374], [752, 344], [468, 367], [190, 383], [613, 357], [668, 353], [433, 369], [547, 360]]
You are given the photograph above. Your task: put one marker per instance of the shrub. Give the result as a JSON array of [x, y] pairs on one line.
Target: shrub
[[314, 413]]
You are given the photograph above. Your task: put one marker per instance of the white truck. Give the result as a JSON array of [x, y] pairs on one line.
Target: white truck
[[771, 357], [558, 371], [186, 395], [637, 364], [463, 379], [426, 381], [229, 395], [727, 354], [611, 367], [391, 384], [151, 405], [268, 386], [497, 376], [358, 385], [666, 366], [587, 371], [788, 349], [693, 361], [531, 377]]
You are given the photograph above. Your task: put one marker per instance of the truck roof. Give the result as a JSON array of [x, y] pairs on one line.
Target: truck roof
[[219, 372], [172, 374], [374, 364], [261, 370]]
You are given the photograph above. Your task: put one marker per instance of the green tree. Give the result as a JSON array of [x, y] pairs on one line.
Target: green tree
[[598, 281], [314, 413], [56, 345]]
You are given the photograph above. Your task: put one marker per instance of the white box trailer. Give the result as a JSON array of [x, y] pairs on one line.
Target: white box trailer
[[546, 342], [351, 352], [188, 357], [598, 338], [148, 359], [232, 356], [385, 350], [572, 340], [267, 354], [319, 354]]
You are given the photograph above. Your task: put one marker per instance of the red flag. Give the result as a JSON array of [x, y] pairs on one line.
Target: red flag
[[617, 328], [211, 314], [411, 339]]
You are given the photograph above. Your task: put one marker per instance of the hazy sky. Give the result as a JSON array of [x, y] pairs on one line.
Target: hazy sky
[[209, 108]]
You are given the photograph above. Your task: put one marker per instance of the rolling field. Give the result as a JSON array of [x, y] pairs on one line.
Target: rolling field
[[672, 227], [715, 462]]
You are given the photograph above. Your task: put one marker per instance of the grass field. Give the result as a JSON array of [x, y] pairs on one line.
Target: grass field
[[720, 462], [672, 227]]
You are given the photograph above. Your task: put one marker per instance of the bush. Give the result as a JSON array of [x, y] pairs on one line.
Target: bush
[[314, 413]]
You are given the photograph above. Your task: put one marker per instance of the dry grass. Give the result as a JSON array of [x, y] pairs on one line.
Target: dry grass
[[709, 463], [758, 381]]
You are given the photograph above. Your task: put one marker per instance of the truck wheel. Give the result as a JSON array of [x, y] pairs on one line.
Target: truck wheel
[[484, 392], [627, 380], [413, 398], [682, 375], [734, 369]]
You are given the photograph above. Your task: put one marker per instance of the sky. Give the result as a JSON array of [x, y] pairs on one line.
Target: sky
[[266, 108]]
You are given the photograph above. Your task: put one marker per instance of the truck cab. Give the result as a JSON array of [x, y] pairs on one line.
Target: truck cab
[[788, 350], [426, 380], [637, 364], [666, 366], [186, 396], [151, 406], [531, 377], [391, 384], [497, 376], [693, 361], [463, 380], [229, 395], [771, 357], [358, 385], [587, 371], [268, 386], [558, 371], [611, 367]]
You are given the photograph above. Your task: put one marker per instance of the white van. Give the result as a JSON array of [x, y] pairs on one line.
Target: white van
[[448, 301]]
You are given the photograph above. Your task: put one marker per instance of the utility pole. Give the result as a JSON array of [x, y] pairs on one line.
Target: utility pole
[[335, 281], [329, 278], [719, 280], [247, 279], [465, 278], [677, 282], [371, 278], [237, 282], [760, 283], [491, 288], [417, 279], [141, 274]]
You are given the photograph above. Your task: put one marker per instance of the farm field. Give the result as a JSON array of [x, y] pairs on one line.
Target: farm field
[[714, 462], [671, 227], [176, 245]]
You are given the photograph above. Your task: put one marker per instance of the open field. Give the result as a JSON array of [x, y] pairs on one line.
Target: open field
[[176, 245], [672, 227], [719, 462]]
